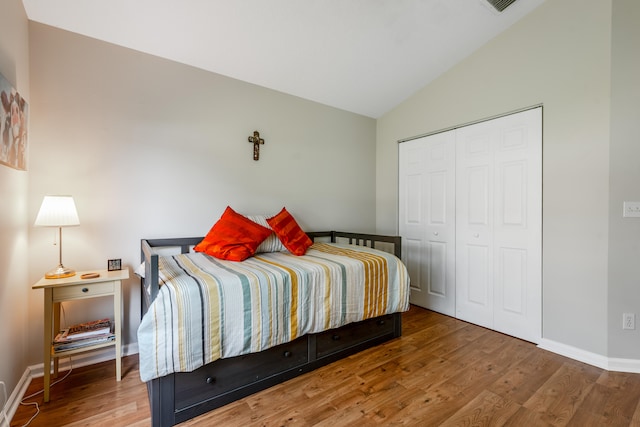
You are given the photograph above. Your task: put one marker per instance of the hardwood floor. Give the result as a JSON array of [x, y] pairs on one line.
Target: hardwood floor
[[441, 372]]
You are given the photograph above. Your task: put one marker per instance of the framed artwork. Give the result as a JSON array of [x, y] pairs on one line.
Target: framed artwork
[[14, 118]]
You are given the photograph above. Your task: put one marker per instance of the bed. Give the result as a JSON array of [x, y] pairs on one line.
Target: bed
[[183, 383]]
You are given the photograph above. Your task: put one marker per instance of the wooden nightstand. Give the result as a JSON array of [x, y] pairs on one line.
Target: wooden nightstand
[[109, 283]]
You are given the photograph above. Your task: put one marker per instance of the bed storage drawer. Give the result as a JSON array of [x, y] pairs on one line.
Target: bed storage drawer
[[339, 339], [230, 374]]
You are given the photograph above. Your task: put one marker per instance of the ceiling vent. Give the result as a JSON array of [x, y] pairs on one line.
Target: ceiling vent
[[500, 5]]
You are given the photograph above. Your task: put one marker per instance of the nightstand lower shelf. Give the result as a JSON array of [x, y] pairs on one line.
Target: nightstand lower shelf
[[82, 349]]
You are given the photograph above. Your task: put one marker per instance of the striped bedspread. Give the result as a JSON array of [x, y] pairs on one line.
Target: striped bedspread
[[209, 309]]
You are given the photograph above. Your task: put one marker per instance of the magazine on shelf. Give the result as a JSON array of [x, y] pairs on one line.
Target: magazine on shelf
[[89, 330], [70, 345]]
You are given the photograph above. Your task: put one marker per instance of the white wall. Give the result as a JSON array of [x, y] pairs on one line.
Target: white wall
[[559, 56], [152, 148], [14, 284]]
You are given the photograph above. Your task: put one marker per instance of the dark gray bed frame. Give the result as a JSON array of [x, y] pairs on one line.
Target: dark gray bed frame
[[184, 395]]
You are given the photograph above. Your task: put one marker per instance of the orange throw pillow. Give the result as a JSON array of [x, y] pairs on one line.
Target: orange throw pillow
[[234, 237], [289, 232]]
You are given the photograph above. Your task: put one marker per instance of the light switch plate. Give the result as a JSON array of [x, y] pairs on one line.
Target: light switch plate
[[631, 209]]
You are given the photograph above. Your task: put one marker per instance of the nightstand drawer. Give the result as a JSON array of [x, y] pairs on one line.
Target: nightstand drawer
[[85, 290]]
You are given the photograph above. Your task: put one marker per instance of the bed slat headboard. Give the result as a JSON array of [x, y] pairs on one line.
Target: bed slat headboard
[[360, 239]]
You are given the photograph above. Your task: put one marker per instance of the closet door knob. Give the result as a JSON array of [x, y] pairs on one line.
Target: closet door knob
[[476, 235], [435, 233], [211, 380]]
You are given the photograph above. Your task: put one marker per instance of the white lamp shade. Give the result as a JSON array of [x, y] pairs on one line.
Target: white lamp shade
[[57, 211]]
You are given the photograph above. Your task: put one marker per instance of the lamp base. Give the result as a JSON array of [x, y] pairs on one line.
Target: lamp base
[[60, 272]]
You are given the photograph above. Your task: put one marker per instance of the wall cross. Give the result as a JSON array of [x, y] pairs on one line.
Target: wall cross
[[256, 140]]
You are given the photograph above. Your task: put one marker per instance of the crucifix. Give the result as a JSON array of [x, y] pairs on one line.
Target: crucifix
[[256, 140]]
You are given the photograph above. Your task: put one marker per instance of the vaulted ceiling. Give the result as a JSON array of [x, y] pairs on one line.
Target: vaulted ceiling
[[364, 56]]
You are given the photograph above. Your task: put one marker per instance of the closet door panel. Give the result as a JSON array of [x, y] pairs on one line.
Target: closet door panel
[[518, 226], [427, 219], [474, 213], [412, 222], [512, 270]]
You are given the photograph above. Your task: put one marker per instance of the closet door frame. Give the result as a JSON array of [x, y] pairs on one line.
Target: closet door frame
[[503, 230]]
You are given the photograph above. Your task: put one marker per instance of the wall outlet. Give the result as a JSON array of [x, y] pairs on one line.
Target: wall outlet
[[631, 209], [628, 321]]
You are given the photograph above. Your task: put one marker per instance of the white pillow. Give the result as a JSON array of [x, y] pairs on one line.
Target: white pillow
[[140, 270], [271, 243]]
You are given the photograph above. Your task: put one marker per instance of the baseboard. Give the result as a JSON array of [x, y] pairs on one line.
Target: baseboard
[[603, 362], [624, 365], [16, 396], [78, 360]]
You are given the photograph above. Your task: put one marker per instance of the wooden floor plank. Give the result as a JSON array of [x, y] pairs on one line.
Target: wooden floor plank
[[558, 399], [612, 401], [524, 378], [485, 409], [442, 371]]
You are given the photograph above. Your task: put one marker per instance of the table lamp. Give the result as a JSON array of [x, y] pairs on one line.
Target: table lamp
[[58, 211]]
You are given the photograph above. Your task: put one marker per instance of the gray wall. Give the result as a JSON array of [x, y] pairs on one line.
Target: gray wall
[[558, 56], [152, 148], [14, 286], [624, 178], [106, 121]]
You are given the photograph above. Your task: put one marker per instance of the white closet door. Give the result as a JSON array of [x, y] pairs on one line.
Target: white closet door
[[427, 219], [474, 215], [518, 226], [499, 224]]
